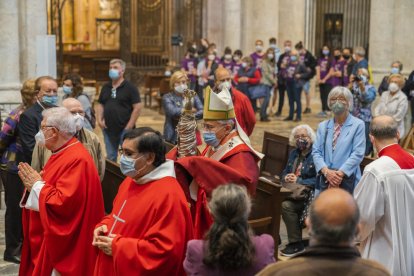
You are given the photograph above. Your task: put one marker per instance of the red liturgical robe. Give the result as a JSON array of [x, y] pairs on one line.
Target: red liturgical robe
[[244, 111], [404, 159], [152, 228], [59, 235]]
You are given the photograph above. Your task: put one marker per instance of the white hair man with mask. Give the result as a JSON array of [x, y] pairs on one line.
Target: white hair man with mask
[[62, 205], [88, 138]]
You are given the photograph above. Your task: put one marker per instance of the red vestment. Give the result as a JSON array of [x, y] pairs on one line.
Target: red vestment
[[238, 166], [60, 235], [152, 237], [244, 111], [404, 159]]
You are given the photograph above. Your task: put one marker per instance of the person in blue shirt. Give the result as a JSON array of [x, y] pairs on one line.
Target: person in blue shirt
[[361, 62], [340, 144]]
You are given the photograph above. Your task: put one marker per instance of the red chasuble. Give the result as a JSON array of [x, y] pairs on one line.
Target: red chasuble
[[152, 224], [238, 165], [244, 111], [404, 159], [60, 235]]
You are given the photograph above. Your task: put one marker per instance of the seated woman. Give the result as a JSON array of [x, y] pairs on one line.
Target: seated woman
[[173, 106], [229, 247], [300, 169]]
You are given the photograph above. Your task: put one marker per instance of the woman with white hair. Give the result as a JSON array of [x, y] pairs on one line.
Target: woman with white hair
[[300, 170], [364, 94], [394, 102], [340, 144]]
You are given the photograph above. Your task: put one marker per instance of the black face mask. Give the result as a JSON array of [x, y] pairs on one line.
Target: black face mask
[[346, 56], [337, 57]]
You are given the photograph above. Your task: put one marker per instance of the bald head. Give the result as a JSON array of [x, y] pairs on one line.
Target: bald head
[[73, 105], [334, 217], [384, 127], [222, 74]]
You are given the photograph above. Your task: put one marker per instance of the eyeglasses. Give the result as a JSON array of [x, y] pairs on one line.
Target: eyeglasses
[[300, 137], [332, 100], [80, 113], [44, 128], [113, 93]]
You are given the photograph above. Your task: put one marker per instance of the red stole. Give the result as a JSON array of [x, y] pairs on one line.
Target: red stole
[[404, 159]]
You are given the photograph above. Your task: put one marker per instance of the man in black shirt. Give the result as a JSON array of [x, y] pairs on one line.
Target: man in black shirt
[[118, 108]]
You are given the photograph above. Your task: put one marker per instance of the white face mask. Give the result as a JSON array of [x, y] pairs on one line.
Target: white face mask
[[393, 87], [227, 57], [269, 56], [180, 88], [259, 48], [226, 84], [79, 121], [40, 138], [236, 58], [211, 57]]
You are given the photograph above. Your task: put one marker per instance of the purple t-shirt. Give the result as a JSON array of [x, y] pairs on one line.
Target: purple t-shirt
[[236, 68], [228, 65], [257, 59], [290, 71], [189, 64], [338, 66], [324, 66], [283, 71]]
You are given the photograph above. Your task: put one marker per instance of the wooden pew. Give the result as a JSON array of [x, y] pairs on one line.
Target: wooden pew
[[152, 86]]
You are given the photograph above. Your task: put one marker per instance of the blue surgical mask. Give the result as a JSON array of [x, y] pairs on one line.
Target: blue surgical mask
[[67, 90], [210, 139], [325, 52], [273, 46], [395, 70], [127, 165], [50, 100], [113, 74], [293, 58], [364, 79]]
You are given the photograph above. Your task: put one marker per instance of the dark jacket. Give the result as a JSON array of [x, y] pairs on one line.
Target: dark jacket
[[326, 260], [307, 173], [305, 74], [383, 86], [29, 126], [409, 85], [311, 63]]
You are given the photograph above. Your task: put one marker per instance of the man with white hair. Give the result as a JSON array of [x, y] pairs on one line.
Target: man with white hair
[[385, 196], [118, 109], [62, 205], [89, 139], [361, 62], [228, 157]]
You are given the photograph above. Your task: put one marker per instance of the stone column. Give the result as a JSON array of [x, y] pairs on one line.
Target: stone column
[[9, 52], [381, 37], [232, 27], [213, 18], [292, 21]]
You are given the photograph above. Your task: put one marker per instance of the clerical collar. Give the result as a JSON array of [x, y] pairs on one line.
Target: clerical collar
[[164, 170]]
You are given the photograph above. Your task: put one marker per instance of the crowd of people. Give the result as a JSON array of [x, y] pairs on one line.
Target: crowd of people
[[177, 215]]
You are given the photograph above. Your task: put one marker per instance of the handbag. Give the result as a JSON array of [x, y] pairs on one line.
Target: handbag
[[258, 91], [299, 191]]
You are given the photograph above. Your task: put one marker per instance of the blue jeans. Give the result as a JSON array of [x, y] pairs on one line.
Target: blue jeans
[[265, 104], [111, 145], [369, 146], [294, 92]]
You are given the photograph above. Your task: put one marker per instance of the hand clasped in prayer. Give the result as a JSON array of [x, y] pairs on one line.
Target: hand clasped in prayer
[[28, 175], [101, 241]]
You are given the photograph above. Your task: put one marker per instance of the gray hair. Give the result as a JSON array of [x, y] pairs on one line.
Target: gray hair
[[227, 122], [365, 72], [120, 61], [327, 234], [400, 65], [338, 91], [308, 129], [381, 130], [62, 119], [360, 51]]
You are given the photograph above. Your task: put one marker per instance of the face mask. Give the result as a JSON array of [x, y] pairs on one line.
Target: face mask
[[228, 57], [211, 57], [180, 88], [167, 73], [67, 90], [287, 49], [363, 79], [293, 58], [302, 144], [337, 57], [215, 51], [273, 46], [40, 138], [114, 74], [346, 56], [127, 166], [244, 64], [325, 52], [225, 84], [393, 87], [259, 48], [79, 121], [269, 56], [338, 108], [210, 139], [236, 58], [50, 100], [395, 70], [194, 46]]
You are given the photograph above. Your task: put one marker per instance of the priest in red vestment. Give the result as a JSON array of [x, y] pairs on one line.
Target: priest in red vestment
[[149, 226], [62, 204], [228, 158], [242, 106]]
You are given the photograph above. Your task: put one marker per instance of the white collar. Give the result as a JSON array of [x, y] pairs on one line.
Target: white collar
[[164, 170]]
